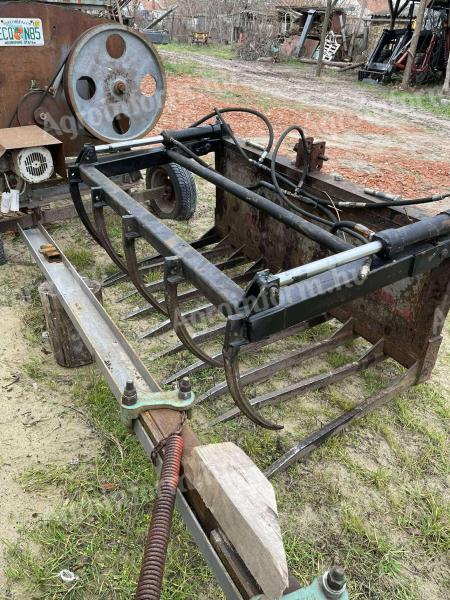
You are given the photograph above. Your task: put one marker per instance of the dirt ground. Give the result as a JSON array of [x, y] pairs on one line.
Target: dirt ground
[[37, 426], [362, 499], [371, 139]]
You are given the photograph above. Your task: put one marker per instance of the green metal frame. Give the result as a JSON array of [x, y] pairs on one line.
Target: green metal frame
[[315, 591]]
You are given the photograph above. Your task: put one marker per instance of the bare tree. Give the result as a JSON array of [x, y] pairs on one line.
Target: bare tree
[[325, 24], [414, 43], [446, 87]]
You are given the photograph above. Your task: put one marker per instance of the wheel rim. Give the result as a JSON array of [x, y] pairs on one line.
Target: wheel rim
[[114, 82], [166, 202]]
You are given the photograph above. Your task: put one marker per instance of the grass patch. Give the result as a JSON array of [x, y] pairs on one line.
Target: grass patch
[[191, 68], [100, 529], [426, 516], [225, 51], [426, 100], [82, 258]]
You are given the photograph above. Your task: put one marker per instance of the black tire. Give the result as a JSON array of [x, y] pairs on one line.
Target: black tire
[[179, 199], [2, 253]]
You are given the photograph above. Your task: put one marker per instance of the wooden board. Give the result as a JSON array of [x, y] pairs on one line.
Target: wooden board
[[243, 502]]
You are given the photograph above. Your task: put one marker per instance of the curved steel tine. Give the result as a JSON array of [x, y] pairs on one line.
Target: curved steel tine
[[81, 211], [231, 364], [99, 218], [130, 235], [149, 262], [233, 260], [172, 277]]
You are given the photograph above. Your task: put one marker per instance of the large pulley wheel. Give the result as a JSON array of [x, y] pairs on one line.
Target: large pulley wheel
[[175, 192], [114, 83]]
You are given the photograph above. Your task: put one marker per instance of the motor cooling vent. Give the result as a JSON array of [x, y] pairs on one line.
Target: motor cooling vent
[[34, 165]]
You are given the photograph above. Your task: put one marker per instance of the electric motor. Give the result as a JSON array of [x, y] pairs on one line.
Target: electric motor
[[33, 165]]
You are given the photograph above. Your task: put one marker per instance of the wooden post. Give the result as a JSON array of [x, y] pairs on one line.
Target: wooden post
[[323, 36], [68, 347], [414, 43]]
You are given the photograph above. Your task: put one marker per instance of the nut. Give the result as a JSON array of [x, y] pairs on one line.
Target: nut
[[185, 388], [129, 396]]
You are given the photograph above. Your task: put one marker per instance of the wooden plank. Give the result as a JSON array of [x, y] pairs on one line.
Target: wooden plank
[[243, 502]]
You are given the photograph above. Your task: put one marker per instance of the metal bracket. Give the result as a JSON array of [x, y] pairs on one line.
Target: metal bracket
[[426, 260], [88, 154], [97, 197], [130, 227], [74, 174], [173, 270], [263, 292], [174, 400], [318, 590]]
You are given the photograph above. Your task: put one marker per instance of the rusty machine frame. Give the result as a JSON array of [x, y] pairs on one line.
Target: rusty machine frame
[[313, 250], [387, 280], [382, 272], [400, 277]]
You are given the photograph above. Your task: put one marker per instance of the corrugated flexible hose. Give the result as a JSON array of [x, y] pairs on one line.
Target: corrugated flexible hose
[[155, 552]]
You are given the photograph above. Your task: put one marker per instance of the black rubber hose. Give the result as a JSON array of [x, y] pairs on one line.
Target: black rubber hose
[[273, 162], [342, 224], [331, 222], [279, 213], [389, 203], [229, 131], [240, 109], [348, 227]]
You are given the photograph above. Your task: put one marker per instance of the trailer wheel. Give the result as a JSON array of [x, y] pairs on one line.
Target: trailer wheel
[[178, 197], [2, 253]]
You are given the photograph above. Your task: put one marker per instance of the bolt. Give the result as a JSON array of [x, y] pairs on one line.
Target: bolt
[[43, 116], [444, 252], [129, 396], [184, 388], [120, 87], [336, 579], [274, 296]]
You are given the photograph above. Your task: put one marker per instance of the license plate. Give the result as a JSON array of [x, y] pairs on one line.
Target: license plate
[[21, 32]]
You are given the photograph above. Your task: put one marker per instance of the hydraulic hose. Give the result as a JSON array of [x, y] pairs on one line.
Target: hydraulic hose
[[273, 162], [394, 203], [240, 109]]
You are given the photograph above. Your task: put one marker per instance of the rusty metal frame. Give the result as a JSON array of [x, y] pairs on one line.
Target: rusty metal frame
[[260, 227]]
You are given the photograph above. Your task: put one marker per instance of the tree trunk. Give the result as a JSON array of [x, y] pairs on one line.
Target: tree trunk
[[413, 47], [357, 28], [68, 347], [446, 87], [326, 22]]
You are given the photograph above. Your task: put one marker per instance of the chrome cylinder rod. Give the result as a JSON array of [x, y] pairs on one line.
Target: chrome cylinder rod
[[126, 144], [330, 262]]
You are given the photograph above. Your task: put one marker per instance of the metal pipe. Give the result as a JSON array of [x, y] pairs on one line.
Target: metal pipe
[[189, 133], [279, 213], [156, 139], [330, 262]]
